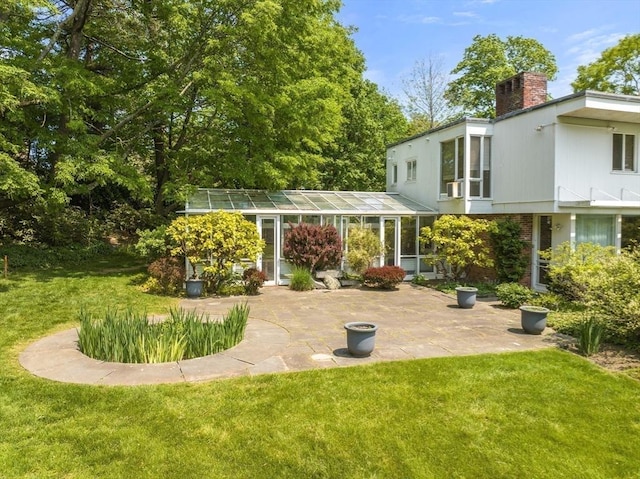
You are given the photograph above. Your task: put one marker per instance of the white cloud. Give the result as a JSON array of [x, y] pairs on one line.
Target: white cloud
[[590, 48], [418, 19], [466, 14]]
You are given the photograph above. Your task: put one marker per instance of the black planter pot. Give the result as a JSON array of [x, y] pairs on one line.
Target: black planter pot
[[361, 338], [194, 288]]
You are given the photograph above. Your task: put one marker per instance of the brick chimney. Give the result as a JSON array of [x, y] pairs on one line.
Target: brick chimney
[[521, 91]]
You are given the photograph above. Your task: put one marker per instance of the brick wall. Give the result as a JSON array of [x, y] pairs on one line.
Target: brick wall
[[521, 91]]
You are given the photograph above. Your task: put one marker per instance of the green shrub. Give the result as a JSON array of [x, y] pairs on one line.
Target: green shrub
[[513, 295], [420, 280], [510, 251], [458, 244], [313, 247], [131, 338], [42, 256], [153, 244], [590, 335], [551, 301], [168, 273], [253, 280], [363, 246], [301, 279], [383, 277]]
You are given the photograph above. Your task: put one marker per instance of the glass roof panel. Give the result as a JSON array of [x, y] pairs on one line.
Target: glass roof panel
[[332, 202]]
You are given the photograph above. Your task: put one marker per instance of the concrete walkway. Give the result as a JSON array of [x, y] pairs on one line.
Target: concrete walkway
[[296, 331]]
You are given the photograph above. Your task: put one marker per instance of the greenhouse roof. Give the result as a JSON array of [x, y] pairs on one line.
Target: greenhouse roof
[[303, 202]]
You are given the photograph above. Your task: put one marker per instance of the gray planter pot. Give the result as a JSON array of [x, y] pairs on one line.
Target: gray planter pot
[[466, 296], [533, 319], [361, 338], [194, 288]]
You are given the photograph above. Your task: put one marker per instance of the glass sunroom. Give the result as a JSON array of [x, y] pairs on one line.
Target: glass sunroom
[[395, 218]]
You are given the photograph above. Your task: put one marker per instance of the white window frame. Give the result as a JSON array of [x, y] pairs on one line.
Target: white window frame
[[483, 162], [412, 167], [634, 158]]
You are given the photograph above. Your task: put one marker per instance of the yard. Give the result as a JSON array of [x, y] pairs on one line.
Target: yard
[[539, 414]]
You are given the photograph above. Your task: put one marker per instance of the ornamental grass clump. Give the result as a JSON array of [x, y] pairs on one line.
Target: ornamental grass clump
[[301, 279], [130, 337], [590, 333]]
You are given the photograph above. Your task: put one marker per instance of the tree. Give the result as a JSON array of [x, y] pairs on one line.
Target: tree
[[488, 61], [458, 243], [363, 246], [616, 71], [357, 159], [425, 89], [313, 247]]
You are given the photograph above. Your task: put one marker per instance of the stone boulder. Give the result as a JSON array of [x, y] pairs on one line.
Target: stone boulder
[[331, 283]]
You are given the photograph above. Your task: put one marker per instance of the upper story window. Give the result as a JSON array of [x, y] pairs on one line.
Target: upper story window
[[623, 152], [411, 170], [394, 174], [480, 167], [451, 162]]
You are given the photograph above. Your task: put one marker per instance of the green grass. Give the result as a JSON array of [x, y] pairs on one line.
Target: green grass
[[546, 414]]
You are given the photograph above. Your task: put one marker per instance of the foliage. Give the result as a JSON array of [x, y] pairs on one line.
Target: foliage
[[514, 295], [424, 89], [253, 280], [490, 60], [590, 334], [571, 270], [122, 103], [383, 277], [41, 256], [420, 280], [131, 337], [301, 279], [216, 241], [602, 281], [616, 71], [313, 247], [167, 275], [153, 244], [363, 246], [458, 243], [357, 159], [509, 251]]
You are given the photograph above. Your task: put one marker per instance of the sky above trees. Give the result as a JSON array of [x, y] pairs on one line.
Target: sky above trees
[[394, 34]]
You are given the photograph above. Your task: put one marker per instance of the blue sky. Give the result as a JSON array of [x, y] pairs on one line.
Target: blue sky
[[394, 34]]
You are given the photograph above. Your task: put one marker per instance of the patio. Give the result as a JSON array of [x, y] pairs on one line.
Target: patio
[[295, 331]]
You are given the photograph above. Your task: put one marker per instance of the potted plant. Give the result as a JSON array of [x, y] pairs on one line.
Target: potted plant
[[361, 338], [466, 296], [533, 318]]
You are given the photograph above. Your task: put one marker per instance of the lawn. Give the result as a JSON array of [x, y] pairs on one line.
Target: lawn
[[539, 414]]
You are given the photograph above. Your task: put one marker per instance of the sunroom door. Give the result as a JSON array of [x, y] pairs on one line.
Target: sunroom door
[[391, 240], [267, 262], [543, 239]]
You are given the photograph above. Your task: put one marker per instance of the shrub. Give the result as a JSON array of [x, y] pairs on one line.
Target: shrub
[[509, 251], [313, 247], [420, 280], [216, 241], [253, 280], [513, 295], [131, 338], [458, 243], [301, 279], [590, 335], [168, 273], [383, 277], [363, 246], [153, 244]]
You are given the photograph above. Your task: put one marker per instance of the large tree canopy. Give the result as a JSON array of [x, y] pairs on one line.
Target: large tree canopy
[[105, 100], [488, 61], [616, 71]]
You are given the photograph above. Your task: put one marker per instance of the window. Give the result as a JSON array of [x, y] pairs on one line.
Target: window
[[623, 152], [598, 229], [411, 170], [394, 174], [480, 167], [451, 162], [630, 231]]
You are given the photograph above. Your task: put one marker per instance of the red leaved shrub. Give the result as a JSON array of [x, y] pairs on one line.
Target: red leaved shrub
[[313, 247], [383, 277]]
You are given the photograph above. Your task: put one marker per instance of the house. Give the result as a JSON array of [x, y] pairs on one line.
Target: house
[[566, 170]]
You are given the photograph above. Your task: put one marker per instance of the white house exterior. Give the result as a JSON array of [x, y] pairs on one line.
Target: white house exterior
[[567, 169]]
